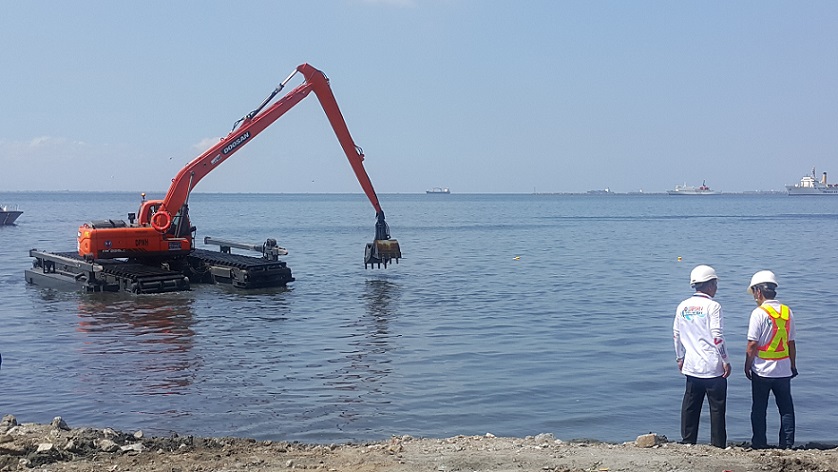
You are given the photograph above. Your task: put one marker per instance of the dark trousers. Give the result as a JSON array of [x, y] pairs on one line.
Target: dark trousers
[[715, 389], [760, 388]]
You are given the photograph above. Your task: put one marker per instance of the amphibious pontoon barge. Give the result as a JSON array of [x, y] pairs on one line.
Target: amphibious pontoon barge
[[68, 270]]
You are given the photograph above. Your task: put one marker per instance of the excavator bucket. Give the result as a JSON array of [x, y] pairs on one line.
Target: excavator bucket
[[382, 250]]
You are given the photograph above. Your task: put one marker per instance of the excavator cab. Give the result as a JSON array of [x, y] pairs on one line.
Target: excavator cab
[[382, 250], [181, 227]]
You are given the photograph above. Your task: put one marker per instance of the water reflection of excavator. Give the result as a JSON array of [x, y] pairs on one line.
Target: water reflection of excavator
[[161, 235]]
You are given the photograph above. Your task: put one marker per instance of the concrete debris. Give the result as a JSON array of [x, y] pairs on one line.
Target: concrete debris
[[8, 422], [106, 445], [60, 424], [135, 447], [45, 447], [650, 440]]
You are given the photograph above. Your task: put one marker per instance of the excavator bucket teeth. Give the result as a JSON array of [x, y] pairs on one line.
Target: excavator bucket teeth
[[382, 251]]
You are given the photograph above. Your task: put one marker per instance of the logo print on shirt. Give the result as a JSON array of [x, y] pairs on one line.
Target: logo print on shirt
[[690, 311]]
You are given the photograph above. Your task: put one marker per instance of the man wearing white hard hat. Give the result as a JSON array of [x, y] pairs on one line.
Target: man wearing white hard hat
[[700, 352], [770, 359]]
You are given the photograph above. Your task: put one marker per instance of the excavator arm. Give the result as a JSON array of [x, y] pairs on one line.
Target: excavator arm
[[249, 127], [161, 214]]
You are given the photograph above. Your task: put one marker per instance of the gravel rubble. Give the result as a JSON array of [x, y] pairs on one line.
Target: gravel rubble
[[58, 447]]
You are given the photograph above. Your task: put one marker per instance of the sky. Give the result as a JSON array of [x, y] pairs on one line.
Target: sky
[[480, 96]]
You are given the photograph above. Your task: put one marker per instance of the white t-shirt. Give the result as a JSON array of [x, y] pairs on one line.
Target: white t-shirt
[[760, 328], [698, 332]]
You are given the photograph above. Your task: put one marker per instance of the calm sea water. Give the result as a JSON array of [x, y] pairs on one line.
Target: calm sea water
[[510, 314]]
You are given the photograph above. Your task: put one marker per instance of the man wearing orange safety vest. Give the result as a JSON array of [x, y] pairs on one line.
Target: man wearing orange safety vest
[[770, 359], [698, 332]]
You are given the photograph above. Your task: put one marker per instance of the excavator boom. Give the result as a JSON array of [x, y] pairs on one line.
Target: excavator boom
[[162, 226]]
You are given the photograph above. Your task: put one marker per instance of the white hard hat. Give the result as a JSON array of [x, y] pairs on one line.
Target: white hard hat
[[702, 273], [762, 277]]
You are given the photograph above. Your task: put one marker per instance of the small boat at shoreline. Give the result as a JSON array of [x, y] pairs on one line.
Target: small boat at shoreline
[[690, 190], [443, 190], [7, 216], [809, 185]]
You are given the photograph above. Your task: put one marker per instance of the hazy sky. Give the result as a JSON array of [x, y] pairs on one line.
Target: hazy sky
[[475, 95]]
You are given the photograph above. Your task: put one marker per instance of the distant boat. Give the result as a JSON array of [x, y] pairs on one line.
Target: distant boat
[[7, 216], [438, 190], [810, 186], [605, 191], [690, 190]]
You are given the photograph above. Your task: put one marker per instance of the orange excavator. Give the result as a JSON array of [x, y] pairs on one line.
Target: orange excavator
[[162, 229]]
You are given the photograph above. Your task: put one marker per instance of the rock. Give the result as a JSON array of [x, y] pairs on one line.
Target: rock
[[649, 440], [138, 435], [136, 447], [8, 422], [106, 445], [70, 446], [13, 448], [394, 448], [45, 447], [59, 423]]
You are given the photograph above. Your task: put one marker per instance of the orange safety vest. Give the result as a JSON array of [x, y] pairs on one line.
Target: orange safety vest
[[777, 347]]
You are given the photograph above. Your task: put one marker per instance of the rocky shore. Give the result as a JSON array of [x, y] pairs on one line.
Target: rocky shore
[[58, 447]]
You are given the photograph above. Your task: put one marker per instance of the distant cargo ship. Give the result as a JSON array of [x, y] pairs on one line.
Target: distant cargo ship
[[690, 190], [809, 185], [438, 190], [8, 217]]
